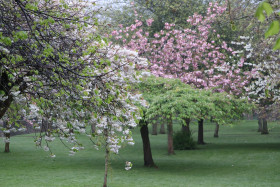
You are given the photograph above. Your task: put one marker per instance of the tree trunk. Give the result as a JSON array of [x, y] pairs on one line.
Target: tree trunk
[[148, 158], [186, 128], [264, 129], [93, 128], [260, 125], [200, 132], [154, 131], [6, 104], [170, 136], [162, 129], [106, 159], [7, 144], [7, 137], [216, 133]]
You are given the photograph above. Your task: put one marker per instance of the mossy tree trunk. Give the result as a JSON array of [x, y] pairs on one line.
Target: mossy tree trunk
[[148, 158], [200, 139], [170, 136]]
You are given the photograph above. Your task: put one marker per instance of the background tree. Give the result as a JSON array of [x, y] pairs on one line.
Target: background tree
[[178, 101], [165, 11]]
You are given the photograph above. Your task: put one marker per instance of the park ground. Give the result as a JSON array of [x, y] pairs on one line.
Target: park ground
[[239, 157]]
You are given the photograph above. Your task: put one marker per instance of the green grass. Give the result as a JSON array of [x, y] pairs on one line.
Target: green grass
[[239, 157]]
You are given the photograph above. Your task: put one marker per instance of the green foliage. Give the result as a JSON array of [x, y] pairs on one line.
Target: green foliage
[[183, 141], [172, 98], [153, 86], [263, 7], [274, 27], [277, 44], [162, 11]]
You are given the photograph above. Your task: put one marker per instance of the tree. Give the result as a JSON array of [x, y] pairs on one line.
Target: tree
[[148, 158], [170, 11], [151, 87], [180, 102], [52, 56], [189, 54], [264, 90]]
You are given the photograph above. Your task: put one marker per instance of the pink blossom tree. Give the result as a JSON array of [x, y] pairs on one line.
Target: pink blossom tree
[[196, 54], [190, 54]]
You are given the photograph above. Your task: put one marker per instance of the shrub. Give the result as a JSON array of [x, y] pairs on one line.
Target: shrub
[[183, 141]]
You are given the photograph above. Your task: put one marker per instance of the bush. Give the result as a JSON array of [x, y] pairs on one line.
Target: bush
[[183, 141]]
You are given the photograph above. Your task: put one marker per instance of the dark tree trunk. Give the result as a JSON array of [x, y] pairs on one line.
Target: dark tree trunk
[[162, 129], [154, 131], [200, 132], [264, 129], [260, 125], [216, 133], [186, 128], [170, 136], [7, 137], [7, 144], [148, 158], [93, 128]]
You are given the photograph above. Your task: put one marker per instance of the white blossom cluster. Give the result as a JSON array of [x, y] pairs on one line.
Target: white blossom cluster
[[128, 165], [264, 87], [110, 99]]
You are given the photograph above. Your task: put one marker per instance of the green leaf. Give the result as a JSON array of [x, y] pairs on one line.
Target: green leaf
[[267, 93], [267, 8], [273, 29], [6, 41], [22, 35], [40, 83], [233, 27], [259, 13], [277, 44], [2, 92]]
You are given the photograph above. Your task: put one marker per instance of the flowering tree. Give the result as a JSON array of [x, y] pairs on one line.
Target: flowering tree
[[264, 89], [60, 72], [188, 54]]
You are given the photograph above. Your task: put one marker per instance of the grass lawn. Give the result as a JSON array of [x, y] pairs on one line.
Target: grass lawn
[[239, 157]]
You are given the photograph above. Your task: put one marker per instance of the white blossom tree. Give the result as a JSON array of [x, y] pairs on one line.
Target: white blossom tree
[[62, 73]]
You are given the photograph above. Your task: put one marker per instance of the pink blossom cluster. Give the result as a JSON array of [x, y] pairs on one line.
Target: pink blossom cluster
[[188, 54]]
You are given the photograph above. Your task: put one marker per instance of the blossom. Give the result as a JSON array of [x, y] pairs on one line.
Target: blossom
[[149, 22], [49, 138], [46, 148], [52, 156], [128, 165]]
